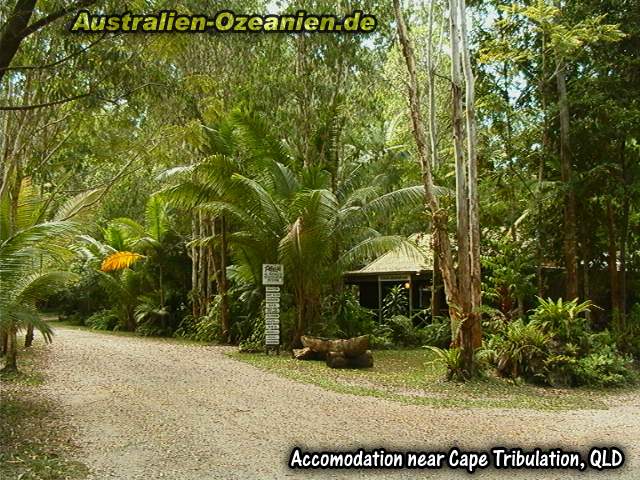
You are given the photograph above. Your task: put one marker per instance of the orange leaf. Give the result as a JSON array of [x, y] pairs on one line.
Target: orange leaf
[[119, 261]]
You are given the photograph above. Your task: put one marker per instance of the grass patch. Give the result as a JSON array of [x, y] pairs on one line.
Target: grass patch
[[55, 323], [413, 377], [35, 442]]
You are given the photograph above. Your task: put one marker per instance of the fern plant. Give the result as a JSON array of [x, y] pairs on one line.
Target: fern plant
[[452, 359]]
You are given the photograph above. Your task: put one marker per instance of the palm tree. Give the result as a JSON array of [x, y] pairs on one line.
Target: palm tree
[[148, 239], [316, 226], [33, 255], [111, 261]]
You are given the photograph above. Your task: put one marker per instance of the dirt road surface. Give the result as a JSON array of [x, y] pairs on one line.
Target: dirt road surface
[[151, 409]]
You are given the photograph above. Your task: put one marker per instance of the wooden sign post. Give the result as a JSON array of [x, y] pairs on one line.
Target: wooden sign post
[[272, 279]]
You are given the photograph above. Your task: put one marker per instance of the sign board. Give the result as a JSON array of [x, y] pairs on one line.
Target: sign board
[[272, 274], [272, 278]]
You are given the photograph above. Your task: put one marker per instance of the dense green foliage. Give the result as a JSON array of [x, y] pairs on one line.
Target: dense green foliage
[[199, 158]]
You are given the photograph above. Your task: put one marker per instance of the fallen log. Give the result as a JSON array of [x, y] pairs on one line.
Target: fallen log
[[339, 360], [307, 354], [351, 348]]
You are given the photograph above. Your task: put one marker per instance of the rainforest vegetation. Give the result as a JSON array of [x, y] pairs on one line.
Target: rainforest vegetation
[[145, 179]]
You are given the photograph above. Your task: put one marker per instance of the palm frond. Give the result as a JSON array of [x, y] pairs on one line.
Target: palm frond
[[171, 173], [120, 261], [78, 207], [374, 247], [45, 238], [157, 217]]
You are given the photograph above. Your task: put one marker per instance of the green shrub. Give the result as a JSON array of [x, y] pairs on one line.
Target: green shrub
[[344, 317], [73, 319], [202, 329], [437, 333], [102, 320], [256, 341], [604, 368], [402, 331], [562, 319], [628, 337], [152, 318], [453, 361], [395, 303], [381, 339], [520, 350], [557, 347]]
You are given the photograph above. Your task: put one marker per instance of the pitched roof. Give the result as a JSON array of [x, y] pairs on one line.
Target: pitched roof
[[403, 259]]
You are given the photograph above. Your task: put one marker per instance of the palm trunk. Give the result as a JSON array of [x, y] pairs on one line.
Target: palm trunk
[[28, 338], [4, 342], [11, 357], [298, 331]]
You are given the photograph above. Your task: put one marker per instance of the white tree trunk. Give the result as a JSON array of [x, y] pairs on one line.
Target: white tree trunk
[[472, 154]]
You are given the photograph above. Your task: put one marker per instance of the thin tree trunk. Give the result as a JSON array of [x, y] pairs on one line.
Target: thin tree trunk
[[195, 304], [462, 193], [435, 283], [202, 266], [624, 237], [223, 282], [570, 248], [613, 265], [431, 92], [473, 327], [211, 269], [463, 329], [28, 338], [11, 357], [541, 162], [4, 342], [439, 215], [586, 253]]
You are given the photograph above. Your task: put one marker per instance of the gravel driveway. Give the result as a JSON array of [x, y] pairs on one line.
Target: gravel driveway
[[149, 409]]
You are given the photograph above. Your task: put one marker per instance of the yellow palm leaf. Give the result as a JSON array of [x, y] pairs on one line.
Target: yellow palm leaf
[[119, 261]]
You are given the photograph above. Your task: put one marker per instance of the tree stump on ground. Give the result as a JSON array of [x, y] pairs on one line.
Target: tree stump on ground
[[338, 353], [340, 360], [352, 347], [307, 354]]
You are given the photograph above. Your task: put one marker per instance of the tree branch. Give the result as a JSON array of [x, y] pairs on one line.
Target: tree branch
[[58, 62], [52, 17], [42, 105]]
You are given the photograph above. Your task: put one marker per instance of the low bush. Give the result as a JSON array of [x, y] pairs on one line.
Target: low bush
[[102, 320], [437, 333], [403, 332], [207, 328], [558, 348], [604, 368], [344, 317], [256, 341], [396, 302]]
